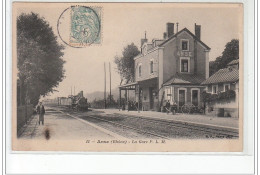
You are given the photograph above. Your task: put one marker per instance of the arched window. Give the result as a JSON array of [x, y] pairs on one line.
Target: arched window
[[140, 70], [151, 66]]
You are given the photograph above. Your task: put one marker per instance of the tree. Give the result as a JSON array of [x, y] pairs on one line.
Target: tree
[[231, 52], [213, 66], [39, 57], [125, 64], [112, 102]]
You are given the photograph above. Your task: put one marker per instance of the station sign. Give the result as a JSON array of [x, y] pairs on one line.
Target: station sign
[[184, 54]]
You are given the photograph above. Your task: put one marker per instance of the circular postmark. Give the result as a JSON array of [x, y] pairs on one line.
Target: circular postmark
[[80, 26]]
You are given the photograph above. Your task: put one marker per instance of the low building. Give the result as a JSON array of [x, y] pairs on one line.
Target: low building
[[171, 69], [223, 91], [65, 101]]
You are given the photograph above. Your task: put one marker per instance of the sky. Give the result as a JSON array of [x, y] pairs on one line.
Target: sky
[[125, 23]]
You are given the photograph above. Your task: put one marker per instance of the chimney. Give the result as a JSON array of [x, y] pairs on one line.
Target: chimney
[[197, 31], [165, 35], [170, 29], [144, 40]]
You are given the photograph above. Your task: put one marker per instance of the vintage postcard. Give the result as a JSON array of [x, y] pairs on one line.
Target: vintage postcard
[[127, 77]]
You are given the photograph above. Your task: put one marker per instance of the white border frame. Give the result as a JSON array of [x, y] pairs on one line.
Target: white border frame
[[75, 163]]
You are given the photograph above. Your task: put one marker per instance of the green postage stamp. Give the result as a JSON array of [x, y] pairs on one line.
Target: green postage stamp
[[85, 28]]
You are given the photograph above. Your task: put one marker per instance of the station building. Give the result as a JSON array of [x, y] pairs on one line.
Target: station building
[[225, 83], [171, 69]]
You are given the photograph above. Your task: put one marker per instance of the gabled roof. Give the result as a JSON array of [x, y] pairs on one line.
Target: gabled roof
[[226, 75], [174, 36], [185, 29], [189, 79], [233, 62]]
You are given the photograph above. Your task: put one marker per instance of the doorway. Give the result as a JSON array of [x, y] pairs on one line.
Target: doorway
[[195, 97], [151, 89], [181, 98]]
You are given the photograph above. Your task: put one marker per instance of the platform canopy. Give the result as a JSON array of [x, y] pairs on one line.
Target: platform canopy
[[128, 86]]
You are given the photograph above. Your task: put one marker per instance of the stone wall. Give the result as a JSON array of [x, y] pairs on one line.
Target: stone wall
[[223, 108]]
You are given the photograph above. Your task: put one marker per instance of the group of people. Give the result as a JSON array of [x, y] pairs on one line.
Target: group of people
[[170, 108], [131, 105]]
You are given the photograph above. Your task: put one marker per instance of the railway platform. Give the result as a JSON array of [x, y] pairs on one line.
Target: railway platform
[[199, 119], [58, 125]]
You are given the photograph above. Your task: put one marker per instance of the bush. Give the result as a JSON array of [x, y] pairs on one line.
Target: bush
[[227, 95]]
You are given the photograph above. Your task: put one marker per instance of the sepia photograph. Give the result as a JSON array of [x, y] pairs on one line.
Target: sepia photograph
[[127, 77]]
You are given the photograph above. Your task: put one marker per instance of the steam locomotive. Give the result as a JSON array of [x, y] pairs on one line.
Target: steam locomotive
[[79, 102]]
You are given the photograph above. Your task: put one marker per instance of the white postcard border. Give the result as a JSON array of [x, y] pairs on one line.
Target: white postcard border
[[42, 162]]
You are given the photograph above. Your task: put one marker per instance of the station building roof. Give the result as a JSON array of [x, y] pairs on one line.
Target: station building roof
[[223, 76], [187, 79]]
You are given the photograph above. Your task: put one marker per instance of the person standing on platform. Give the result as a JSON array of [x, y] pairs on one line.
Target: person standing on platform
[[168, 106], [41, 112]]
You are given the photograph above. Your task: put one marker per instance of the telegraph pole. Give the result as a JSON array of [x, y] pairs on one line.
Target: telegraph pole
[[105, 86], [110, 83]]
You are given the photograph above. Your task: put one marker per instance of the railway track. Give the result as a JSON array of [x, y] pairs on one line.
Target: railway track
[[208, 130], [127, 127], [130, 127]]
